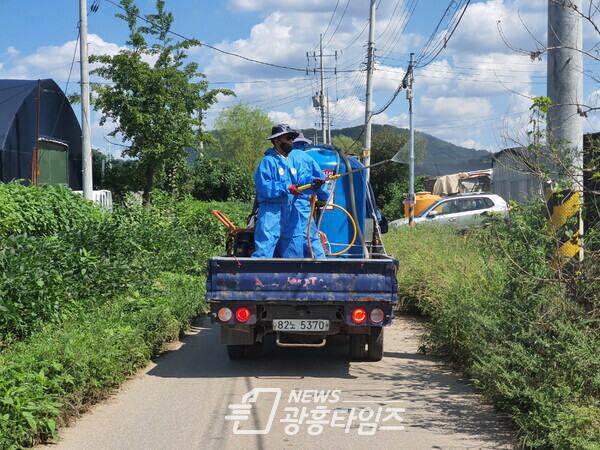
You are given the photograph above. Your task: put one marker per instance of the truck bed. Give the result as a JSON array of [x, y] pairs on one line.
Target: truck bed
[[301, 280]]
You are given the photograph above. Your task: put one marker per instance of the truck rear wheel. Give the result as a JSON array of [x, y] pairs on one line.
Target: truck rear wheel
[[375, 344], [357, 347], [235, 351]]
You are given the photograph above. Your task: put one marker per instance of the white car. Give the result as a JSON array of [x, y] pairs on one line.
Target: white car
[[461, 210]]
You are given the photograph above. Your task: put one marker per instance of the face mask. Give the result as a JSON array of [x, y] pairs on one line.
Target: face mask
[[286, 147]]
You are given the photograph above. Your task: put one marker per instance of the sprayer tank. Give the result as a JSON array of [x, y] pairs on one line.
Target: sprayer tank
[[336, 223]]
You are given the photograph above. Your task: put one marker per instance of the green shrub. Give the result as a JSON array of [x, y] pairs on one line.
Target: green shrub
[[46, 279], [43, 210], [197, 218], [83, 302], [499, 313], [216, 179], [62, 368]]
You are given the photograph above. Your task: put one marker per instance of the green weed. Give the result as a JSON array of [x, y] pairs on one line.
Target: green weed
[[56, 372], [499, 312]]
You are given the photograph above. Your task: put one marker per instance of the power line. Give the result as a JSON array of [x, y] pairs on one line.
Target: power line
[[207, 45], [339, 23], [443, 40]]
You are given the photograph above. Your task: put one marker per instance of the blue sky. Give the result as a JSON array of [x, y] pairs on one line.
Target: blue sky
[[476, 92]]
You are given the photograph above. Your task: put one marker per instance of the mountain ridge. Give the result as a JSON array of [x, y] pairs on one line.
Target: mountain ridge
[[440, 157]]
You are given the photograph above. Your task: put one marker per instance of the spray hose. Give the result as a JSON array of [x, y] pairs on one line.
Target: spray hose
[[312, 211]]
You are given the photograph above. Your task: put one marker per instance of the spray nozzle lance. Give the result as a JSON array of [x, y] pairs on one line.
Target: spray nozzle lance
[[335, 177]]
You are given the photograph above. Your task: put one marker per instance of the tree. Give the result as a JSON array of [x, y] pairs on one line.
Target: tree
[[390, 180], [218, 179], [242, 132], [152, 98], [117, 175], [347, 144]]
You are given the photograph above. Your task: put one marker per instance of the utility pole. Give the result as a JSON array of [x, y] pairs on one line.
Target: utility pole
[[368, 111], [408, 80], [565, 88], [328, 118], [86, 141], [321, 97]]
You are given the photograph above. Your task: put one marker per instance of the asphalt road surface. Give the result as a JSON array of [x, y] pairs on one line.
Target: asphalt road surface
[[194, 397]]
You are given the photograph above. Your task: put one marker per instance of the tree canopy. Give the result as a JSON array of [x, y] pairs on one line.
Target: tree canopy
[[242, 132], [347, 144], [152, 96]]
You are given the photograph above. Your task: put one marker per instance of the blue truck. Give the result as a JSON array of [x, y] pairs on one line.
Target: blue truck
[[302, 302]]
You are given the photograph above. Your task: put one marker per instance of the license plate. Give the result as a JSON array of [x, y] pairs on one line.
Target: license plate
[[300, 325]]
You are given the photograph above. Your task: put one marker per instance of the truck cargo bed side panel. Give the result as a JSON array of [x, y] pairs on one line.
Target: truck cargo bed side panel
[[331, 280]]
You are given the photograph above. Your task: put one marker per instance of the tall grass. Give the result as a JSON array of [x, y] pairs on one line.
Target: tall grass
[[503, 318]]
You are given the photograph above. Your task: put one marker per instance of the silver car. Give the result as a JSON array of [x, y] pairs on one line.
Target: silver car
[[461, 210]]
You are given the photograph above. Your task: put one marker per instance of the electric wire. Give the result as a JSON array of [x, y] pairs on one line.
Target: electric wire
[[450, 29], [329, 24], [225, 52], [338, 25]]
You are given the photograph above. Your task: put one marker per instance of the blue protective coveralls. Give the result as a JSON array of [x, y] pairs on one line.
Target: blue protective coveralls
[[309, 170], [276, 229]]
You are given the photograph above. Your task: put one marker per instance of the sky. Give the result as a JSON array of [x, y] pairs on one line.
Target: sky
[[472, 87]]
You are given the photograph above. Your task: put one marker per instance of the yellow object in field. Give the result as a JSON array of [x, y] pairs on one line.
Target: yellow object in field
[[422, 201], [561, 206]]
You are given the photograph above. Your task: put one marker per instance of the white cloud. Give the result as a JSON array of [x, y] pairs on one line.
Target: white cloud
[[469, 143], [463, 86], [56, 62], [450, 107], [497, 25], [271, 5], [476, 91], [387, 78], [11, 52]]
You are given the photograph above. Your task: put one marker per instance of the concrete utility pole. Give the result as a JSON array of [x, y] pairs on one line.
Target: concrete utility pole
[[322, 96], [368, 107], [86, 141], [411, 154], [328, 118], [565, 85]]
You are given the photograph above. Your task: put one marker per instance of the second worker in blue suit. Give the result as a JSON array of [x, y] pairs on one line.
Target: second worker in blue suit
[[308, 167]]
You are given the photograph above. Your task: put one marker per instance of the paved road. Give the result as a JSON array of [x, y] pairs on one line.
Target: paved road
[[302, 398]]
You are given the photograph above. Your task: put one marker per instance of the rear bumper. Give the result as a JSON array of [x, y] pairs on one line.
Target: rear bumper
[[339, 315]]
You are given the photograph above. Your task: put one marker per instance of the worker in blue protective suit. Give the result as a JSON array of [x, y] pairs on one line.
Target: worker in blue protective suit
[[277, 231], [305, 164]]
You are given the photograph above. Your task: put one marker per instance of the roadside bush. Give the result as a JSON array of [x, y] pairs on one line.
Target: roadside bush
[[87, 297], [43, 210], [57, 371], [499, 313], [433, 261], [48, 279], [197, 218]]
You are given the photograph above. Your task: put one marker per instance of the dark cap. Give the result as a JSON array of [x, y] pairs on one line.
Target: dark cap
[[281, 129], [301, 138]]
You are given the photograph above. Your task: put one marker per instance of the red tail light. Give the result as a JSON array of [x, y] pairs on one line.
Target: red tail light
[[359, 315], [242, 314]]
